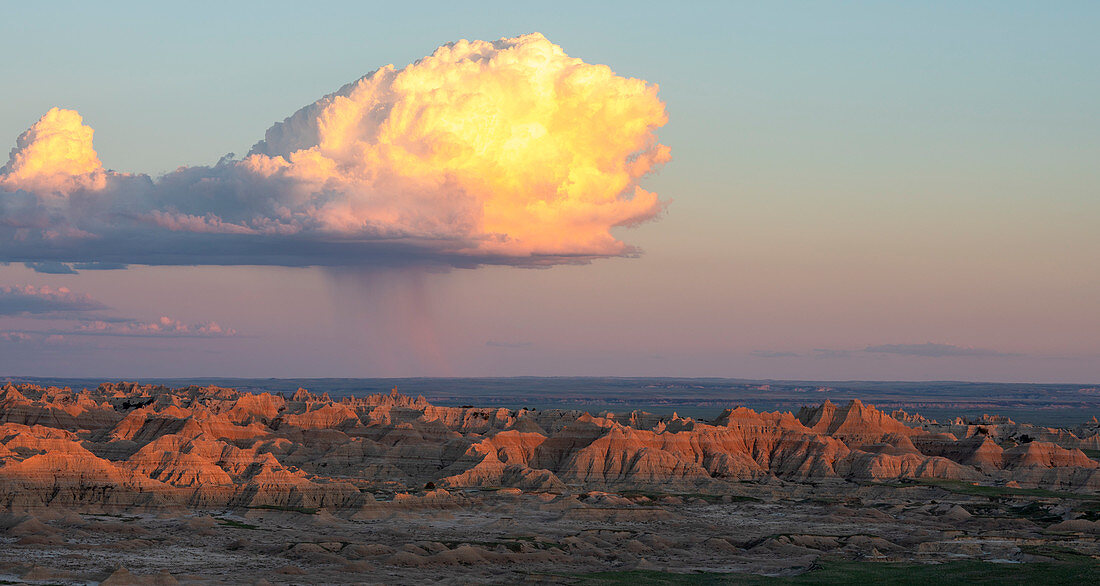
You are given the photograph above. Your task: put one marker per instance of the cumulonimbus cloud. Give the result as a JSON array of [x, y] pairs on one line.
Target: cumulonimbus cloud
[[505, 152]]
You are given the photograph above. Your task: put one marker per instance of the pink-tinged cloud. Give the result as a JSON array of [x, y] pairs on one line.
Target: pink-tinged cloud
[[33, 340], [165, 326], [507, 152], [80, 314], [31, 300], [15, 337], [936, 350]]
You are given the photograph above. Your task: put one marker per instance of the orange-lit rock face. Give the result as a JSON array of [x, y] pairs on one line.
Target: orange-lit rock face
[[213, 446]]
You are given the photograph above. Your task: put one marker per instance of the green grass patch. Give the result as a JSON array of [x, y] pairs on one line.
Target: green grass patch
[[1057, 552], [116, 516], [513, 545], [236, 524], [993, 492], [1032, 511], [710, 498], [1094, 454], [1090, 511], [302, 510]]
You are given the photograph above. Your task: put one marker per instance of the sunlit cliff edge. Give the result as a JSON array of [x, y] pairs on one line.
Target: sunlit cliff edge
[[129, 445]]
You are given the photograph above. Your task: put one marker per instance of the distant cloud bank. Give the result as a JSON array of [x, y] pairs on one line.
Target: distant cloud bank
[[933, 350], [31, 300], [504, 152], [165, 326], [80, 315], [925, 350]]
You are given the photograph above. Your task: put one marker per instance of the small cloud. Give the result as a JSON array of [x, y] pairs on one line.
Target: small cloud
[[831, 353], [103, 318], [15, 337], [32, 340], [72, 268], [73, 310], [31, 300], [51, 268], [163, 327], [498, 344], [774, 354], [99, 266], [935, 350]]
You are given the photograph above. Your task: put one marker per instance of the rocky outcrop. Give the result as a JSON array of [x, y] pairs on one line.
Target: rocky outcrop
[[1004, 430], [213, 447]]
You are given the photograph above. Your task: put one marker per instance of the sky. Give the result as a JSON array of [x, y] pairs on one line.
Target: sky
[[795, 191]]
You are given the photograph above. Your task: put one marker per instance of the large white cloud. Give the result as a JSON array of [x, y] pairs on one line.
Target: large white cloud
[[484, 152]]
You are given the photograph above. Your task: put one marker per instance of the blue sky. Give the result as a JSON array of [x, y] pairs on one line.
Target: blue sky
[[845, 177]]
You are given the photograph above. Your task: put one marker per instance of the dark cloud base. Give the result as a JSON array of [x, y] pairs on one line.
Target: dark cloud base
[[187, 249]]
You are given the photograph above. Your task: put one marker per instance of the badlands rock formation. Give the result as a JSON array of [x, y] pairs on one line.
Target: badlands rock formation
[[133, 445], [136, 484]]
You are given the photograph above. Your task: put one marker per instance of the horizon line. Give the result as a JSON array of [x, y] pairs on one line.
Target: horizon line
[[9, 378]]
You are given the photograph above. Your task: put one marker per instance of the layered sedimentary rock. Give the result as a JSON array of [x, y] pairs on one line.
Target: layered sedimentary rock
[[139, 445]]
